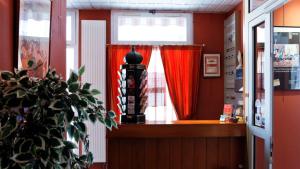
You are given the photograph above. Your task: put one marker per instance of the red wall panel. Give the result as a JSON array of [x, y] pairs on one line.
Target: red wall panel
[[58, 36], [209, 30], [286, 104], [6, 34]]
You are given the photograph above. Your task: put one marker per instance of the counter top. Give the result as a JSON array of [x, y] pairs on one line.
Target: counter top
[[180, 129]]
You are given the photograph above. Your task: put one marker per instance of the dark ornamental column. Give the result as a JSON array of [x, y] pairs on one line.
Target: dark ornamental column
[[132, 88]]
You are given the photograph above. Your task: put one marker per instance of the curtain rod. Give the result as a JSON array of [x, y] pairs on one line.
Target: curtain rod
[[196, 45]]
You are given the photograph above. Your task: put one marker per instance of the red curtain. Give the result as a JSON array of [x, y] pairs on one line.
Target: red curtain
[[115, 58], [182, 70]]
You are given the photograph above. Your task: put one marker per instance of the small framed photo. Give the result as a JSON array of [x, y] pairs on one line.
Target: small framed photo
[[211, 67]]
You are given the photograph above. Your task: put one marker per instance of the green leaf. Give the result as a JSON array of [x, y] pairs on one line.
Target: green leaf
[[51, 121], [83, 103], [91, 99], [70, 114], [73, 78], [86, 86], [21, 93], [76, 135], [13, 102], [30, 63], [24, 80], [29, 166], [92, 117], [108, 123], [95, 92], [44, 131], [26, 146], [39, 142], [22, 158], [57, 105], [82, 126], [71, 130], [56, 132], [57, 166], [8, 128], [114, 124], [111, 114], [101, 118], [90, 158], [6, 75], [56, 142], [70, 145], [22, 73], [18, 144], [73, 87], [75, 97], [81, 70]]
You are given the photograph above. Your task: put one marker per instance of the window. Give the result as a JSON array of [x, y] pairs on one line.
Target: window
[[147, 28], [154, 29], [72, 42], [160, 106], [71, 51]]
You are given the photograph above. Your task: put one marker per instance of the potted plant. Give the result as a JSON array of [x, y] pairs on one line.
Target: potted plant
[[36, 115]]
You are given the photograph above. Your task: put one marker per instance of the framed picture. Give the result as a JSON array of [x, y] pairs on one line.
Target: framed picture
[[286, 58], [211, 66], [34, 22]]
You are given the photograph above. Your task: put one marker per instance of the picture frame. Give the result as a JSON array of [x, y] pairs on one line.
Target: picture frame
[[211, 65], [33, 36], [286, 58]]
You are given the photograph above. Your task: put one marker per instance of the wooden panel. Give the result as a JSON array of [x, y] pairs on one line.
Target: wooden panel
[[138, 154], [163, 154], [98, 166], [187, 153], [125, 157], [113, 155], [223, 153], [237, 152], [188, 148], [176, 153], [212, 153], [151, 152]]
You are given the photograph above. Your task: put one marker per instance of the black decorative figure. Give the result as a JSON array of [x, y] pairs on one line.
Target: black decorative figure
[[133, 88]]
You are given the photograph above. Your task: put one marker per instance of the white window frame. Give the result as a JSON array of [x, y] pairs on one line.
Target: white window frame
[[114, 27], [74, 36]]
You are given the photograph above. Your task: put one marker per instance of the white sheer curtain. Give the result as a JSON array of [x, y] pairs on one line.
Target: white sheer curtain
[[160, 107]]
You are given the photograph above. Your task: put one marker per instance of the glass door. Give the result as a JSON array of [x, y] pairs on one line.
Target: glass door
[[260, 88]]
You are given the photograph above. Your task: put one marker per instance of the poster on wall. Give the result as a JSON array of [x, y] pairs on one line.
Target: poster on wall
[[34, 36], [286, 58], [211, 66]]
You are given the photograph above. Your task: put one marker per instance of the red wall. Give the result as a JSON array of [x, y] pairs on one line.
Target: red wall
[[6, 34], [58, 35], [286, 104], [209, 29]]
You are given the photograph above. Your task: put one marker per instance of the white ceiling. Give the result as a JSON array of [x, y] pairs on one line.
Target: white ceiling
[[216, 6]]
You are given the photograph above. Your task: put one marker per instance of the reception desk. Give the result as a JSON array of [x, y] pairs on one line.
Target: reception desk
[[199, 144]]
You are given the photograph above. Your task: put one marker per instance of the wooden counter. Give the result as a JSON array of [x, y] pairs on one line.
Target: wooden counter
[[188, 144], [182, 128]]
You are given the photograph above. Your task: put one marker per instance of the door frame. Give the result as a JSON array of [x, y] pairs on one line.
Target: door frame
[[254, 131], [262, 13]]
